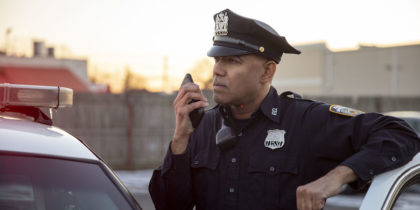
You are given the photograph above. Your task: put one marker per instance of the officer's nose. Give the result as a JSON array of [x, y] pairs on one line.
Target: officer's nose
[[218, 69]]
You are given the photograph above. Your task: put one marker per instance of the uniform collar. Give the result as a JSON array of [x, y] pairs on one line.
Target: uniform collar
[[270, 106]]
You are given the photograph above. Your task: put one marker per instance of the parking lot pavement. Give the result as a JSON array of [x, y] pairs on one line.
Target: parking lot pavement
[[138, 182], [145, 201]]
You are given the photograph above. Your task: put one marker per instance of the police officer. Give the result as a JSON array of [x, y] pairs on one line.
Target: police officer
[[260, 150]]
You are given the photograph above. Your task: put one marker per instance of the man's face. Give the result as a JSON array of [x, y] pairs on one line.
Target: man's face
[[237, 79]]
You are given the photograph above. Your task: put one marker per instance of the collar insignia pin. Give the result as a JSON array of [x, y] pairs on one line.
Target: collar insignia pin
[[275, 139], [274, 111]]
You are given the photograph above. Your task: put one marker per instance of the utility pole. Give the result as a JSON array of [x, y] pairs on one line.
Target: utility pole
[[6, 42], [129, 160]]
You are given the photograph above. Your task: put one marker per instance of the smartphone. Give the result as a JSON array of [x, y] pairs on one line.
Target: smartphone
[[197, 114]]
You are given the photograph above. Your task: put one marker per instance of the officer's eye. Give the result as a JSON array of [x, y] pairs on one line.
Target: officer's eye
[[216, 59], [233, 60]]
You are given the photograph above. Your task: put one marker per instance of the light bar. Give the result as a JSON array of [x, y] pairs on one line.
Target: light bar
[[35, 95]]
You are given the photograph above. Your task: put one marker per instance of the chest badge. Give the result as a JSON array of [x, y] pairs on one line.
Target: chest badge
[[275, 139]]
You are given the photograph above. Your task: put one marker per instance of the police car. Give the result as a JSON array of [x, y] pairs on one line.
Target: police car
[[397, 189], [43, 167], [411, 117]]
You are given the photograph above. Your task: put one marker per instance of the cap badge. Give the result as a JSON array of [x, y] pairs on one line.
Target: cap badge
[[275, 139], [221, 24], [261, 49]]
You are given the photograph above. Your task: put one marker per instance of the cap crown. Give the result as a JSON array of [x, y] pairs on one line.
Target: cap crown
[[246, 34]]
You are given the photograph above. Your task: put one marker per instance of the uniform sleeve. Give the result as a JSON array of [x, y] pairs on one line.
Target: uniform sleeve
[[383, 143], [368, 143], [170, 185]]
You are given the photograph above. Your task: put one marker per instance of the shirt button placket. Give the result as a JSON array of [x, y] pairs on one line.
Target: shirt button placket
[[230, 199]]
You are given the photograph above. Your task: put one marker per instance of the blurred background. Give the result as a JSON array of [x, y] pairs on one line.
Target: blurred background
[[125, 60]]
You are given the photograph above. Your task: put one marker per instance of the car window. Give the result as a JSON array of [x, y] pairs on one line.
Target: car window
[[34, 183], [408, 199]]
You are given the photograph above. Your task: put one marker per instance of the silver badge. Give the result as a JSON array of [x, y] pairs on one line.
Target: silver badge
[[221, 27], [274, 139]]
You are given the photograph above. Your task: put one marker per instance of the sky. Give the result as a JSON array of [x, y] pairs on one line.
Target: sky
[[114, 34]]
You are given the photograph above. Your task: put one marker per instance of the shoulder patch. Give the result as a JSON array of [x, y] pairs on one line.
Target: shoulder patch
[[346, 111]]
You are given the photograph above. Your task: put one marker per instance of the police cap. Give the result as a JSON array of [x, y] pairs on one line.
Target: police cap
[[238, 35]]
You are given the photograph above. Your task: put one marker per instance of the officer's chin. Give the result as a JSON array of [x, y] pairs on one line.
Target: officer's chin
[[218, 98]]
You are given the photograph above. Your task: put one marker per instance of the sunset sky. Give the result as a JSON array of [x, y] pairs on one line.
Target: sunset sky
[[139, 33]]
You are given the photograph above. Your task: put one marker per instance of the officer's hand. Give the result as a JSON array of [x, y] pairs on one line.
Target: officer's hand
[[183, 129], [314, 195]]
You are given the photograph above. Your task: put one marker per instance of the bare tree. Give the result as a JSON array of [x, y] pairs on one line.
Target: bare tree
[[133, 81]]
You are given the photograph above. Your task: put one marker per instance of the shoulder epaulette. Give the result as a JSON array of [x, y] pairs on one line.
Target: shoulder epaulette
[[290, 94]]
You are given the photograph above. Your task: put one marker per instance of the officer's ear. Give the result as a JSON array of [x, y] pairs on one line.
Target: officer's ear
[[269, 70]]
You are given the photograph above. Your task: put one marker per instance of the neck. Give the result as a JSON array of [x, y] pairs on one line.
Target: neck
[[244, 111]]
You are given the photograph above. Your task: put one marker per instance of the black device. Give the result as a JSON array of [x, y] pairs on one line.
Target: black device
[[226, 137], [197, 114]]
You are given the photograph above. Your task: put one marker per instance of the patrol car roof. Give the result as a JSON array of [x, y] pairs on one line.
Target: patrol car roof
[[21, 135]]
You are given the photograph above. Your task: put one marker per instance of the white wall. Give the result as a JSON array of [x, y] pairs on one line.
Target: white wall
[[368, 71]]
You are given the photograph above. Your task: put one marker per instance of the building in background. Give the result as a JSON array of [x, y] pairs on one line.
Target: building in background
[[367, 71], [44, 69]]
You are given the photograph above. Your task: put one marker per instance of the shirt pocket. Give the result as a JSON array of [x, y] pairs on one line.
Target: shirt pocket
[[272, 179], [204, 167], [205, 161], [205, 178]]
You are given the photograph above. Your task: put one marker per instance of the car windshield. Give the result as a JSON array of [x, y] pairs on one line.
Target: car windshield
[[414, 122], [34, 183]]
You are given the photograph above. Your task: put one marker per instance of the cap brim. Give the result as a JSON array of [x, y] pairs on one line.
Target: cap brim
[[217, 50]]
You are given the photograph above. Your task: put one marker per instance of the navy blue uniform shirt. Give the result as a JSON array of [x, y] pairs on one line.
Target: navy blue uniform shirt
[[288, 142]]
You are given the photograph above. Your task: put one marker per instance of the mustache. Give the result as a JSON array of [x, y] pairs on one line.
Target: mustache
[[217, 83]]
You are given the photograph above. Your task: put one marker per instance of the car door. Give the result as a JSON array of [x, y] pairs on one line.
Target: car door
[[395, 189]]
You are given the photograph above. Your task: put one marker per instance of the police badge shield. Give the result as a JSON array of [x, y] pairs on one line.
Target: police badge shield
[[221, 24], [275, 139]]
